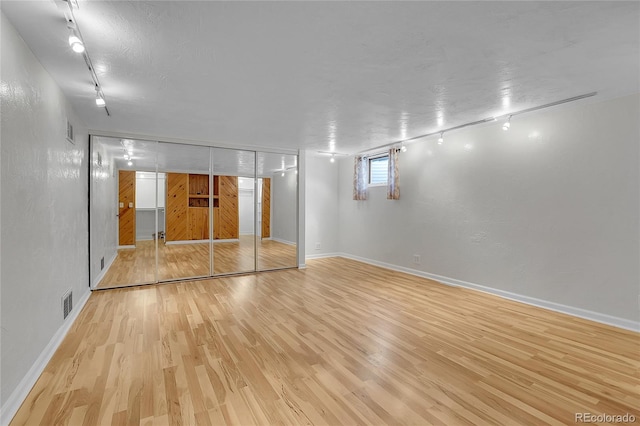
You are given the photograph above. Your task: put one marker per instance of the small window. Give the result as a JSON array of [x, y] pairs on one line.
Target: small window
[[378, 170]]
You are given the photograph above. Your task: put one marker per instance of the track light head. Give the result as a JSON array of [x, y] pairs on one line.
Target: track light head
[[333, 158], [130, 163], [75, 43], [403, 148], [507, 124], [441, 138], [100, 100]]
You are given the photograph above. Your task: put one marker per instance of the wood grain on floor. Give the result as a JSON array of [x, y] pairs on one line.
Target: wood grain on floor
[[339, 343]]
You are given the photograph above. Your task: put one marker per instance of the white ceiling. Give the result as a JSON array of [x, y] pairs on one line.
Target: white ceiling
[[305, 74]]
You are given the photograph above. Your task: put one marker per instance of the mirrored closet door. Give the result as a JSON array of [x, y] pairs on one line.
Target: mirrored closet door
[[234, 211], [277, 211], [184, 252], [163, 211], [124, 209]]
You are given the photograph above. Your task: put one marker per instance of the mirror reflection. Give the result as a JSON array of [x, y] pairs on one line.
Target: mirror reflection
[[123, 207], [278, 211], [184, 252], [233, 249], [163, 211]]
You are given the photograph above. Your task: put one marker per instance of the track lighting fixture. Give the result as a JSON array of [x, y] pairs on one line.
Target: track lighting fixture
[[130, 163], [403, 147], [75, 43], [333, 158], [100, 100], [507, 124]]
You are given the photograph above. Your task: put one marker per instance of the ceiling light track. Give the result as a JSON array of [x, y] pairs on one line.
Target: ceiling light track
[[76, 41], [485, 120]]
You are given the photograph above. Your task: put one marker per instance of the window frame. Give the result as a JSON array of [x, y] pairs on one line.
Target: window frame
[[373, 158]]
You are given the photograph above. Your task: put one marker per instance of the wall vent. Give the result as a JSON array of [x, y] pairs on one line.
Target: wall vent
[[102, 263], [67, 303], [70, 132]]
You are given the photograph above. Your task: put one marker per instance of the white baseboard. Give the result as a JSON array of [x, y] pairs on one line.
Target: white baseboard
[[291, 243], [553, 306], [170, 243], [17, 397], [323, 255], [126, 247], [231, 240], [104, 270]]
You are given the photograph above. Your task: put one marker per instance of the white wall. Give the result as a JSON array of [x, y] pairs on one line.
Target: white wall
[[146, 197], [284, 192], [146, 201], [548, 210], [104, 223], [246, 205], [321, 206], [44, 210]]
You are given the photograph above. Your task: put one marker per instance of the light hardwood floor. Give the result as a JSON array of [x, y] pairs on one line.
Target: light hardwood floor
[[339, 343], [178, 261]]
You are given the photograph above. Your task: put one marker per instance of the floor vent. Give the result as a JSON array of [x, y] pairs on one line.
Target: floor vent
[[67, 303]]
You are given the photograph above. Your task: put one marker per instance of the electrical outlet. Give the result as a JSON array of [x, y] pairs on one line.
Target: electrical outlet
[[318, 246], [416, 259]]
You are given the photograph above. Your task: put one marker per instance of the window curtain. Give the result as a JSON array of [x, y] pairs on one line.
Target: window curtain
[[393, 186], [360, 173]]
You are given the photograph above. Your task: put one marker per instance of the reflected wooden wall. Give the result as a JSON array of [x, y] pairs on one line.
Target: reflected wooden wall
[[176, 207], [228, 225], [126, 213], [266, 208]]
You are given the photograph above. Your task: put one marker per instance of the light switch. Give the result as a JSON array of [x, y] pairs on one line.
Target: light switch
[[130, 205], [121, 205]]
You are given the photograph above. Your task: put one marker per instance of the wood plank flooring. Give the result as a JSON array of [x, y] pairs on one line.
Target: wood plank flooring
[[178, 261], [339, 343]]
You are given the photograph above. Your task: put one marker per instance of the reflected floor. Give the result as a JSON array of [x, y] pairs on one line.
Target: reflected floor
[[177, 261]]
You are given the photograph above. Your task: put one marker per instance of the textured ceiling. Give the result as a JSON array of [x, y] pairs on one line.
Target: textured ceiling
[[328, 75]]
